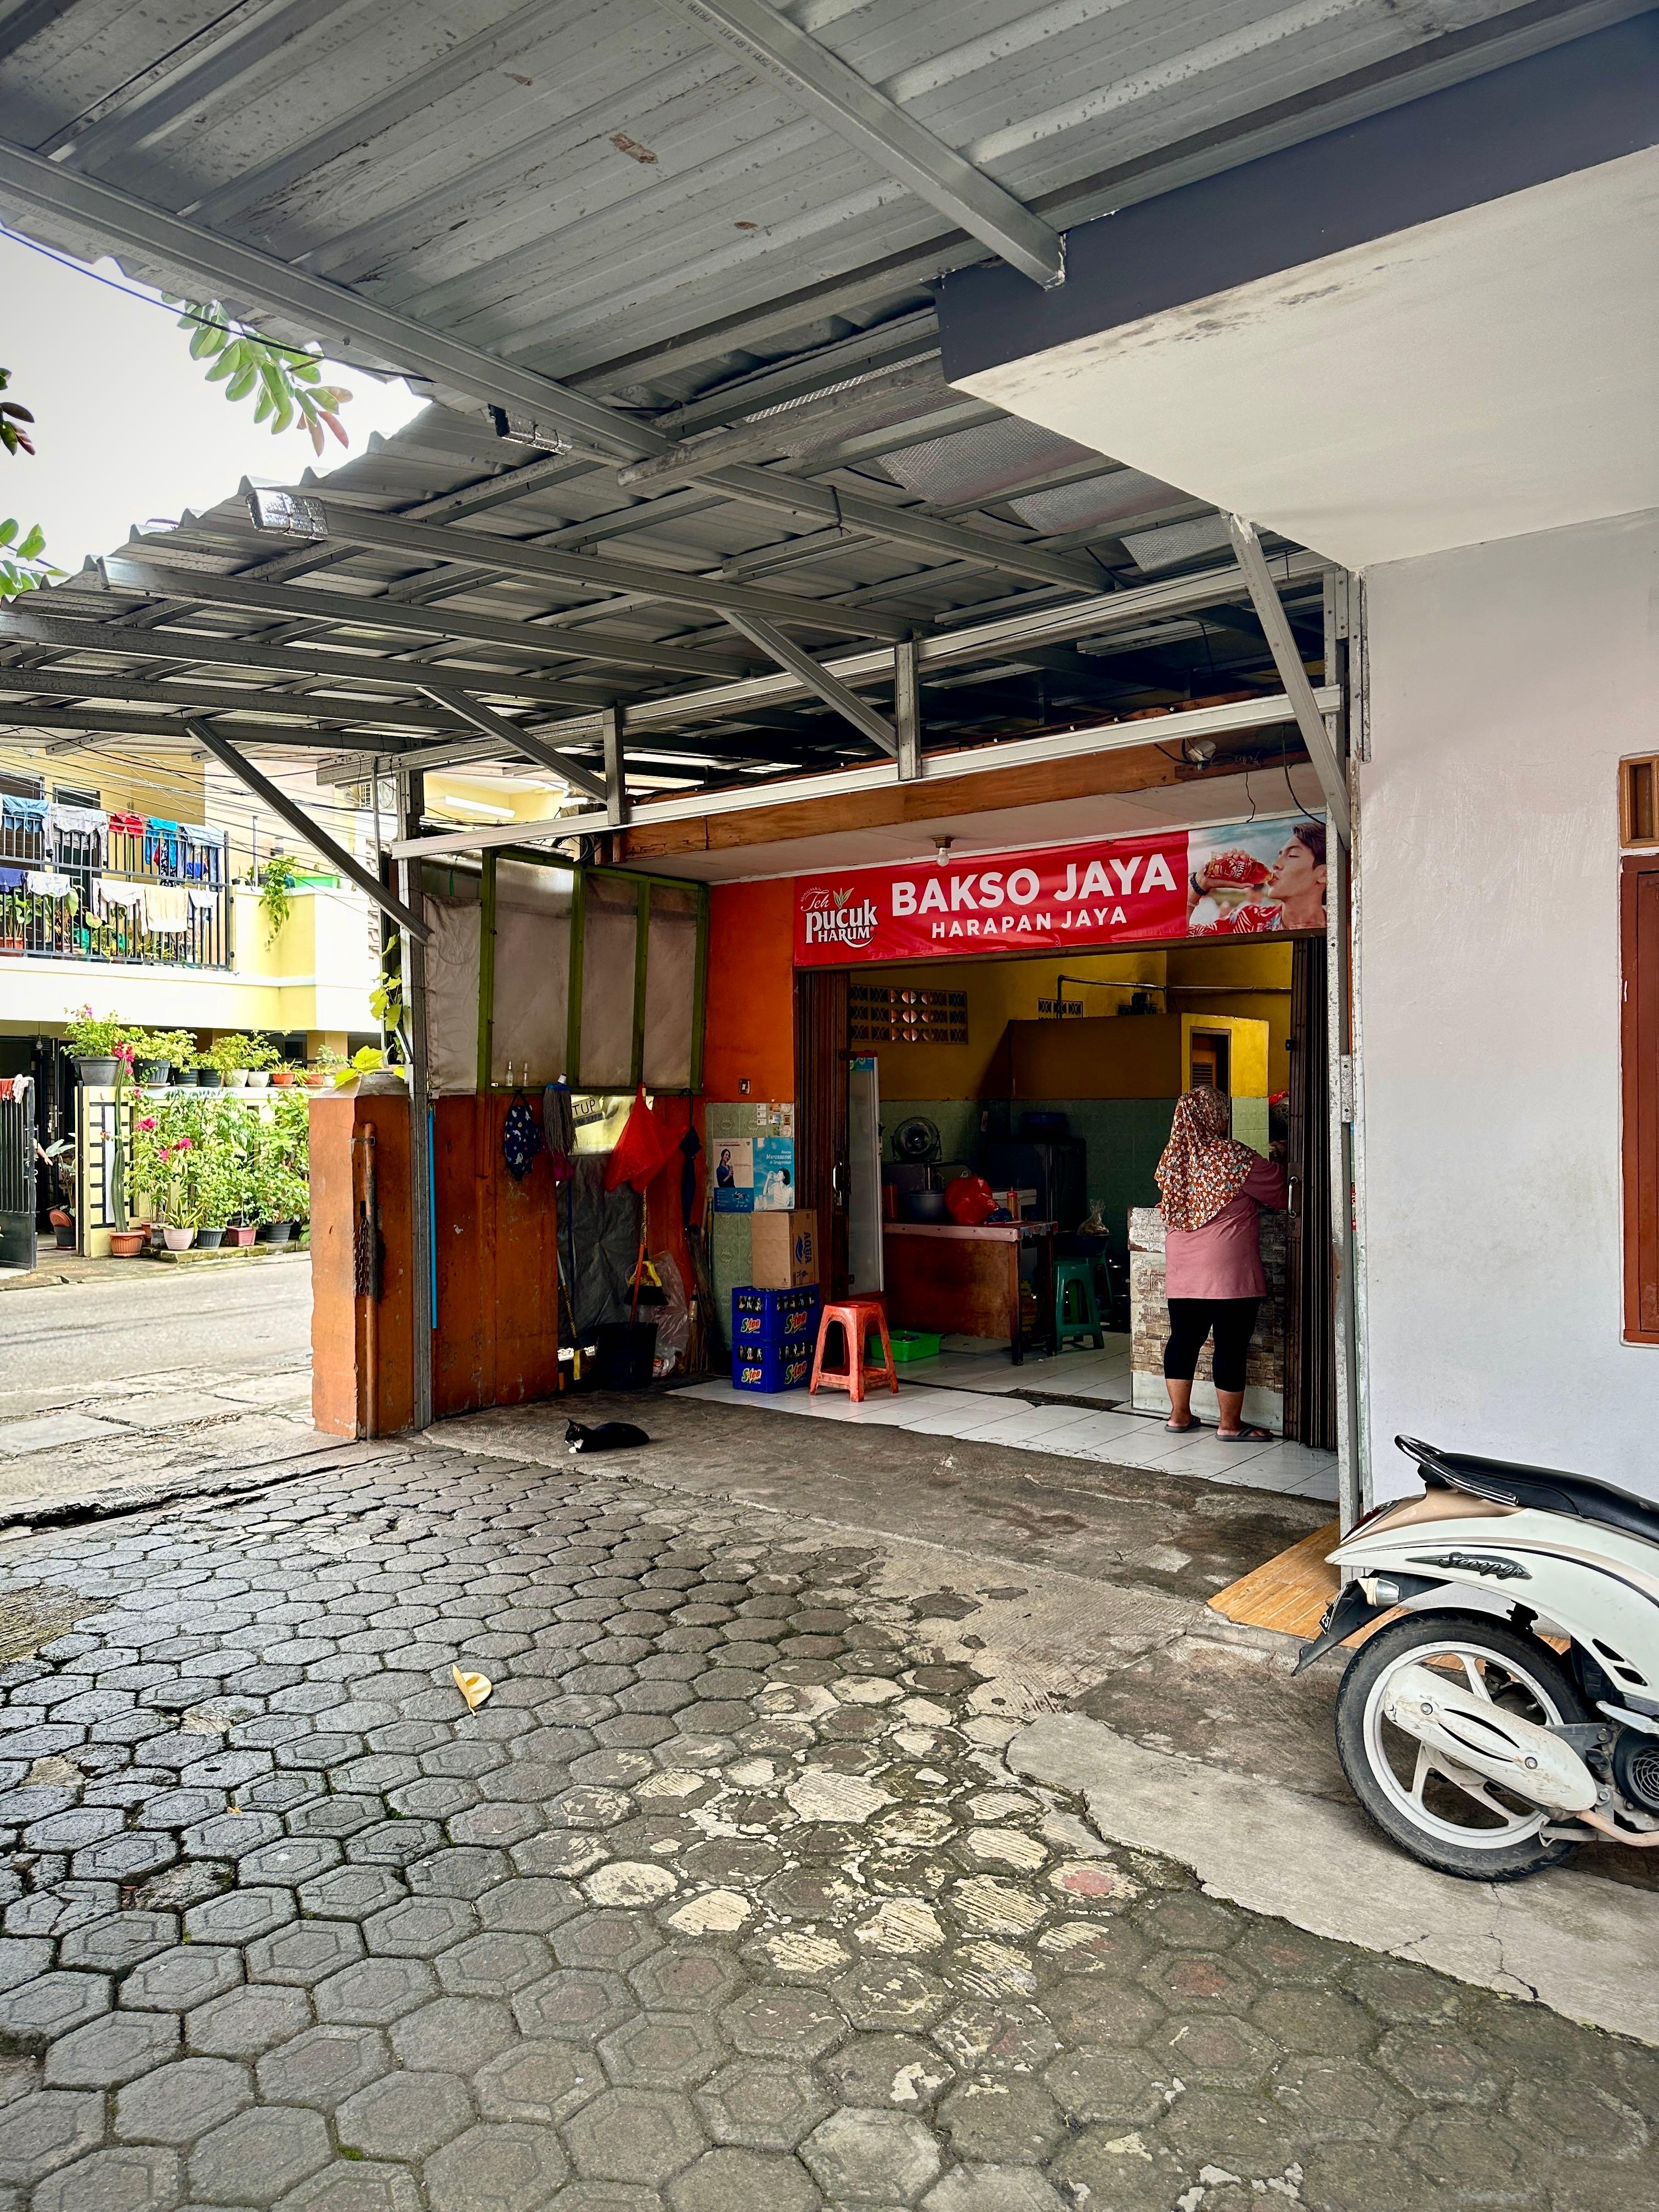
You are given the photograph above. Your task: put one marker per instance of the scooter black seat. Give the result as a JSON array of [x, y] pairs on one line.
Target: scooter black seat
[[1506, 1482]]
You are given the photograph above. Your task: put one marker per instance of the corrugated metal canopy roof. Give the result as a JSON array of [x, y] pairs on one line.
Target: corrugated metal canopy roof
[[599, 216], [579, 185]]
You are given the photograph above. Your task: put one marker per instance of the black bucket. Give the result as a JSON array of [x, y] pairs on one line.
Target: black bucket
[[625, 1355]]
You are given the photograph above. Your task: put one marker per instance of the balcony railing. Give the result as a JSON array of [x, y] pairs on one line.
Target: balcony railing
[[150, 895]]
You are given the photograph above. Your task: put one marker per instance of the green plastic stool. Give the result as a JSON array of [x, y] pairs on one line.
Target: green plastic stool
[[1077, 1275]]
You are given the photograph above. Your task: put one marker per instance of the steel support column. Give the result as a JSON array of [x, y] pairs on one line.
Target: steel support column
[[906, 708], [411, 800], [616, 769]]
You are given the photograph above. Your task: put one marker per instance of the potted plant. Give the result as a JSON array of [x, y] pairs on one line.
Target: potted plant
[[324, 1069], [94, 1045], [259, 1057], [156, 1053], [128, 1244]]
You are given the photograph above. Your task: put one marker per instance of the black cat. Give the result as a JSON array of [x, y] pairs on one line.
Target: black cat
[[608, 1435]]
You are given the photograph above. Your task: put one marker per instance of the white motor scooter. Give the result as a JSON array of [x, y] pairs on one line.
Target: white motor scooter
[[1491, 1736]]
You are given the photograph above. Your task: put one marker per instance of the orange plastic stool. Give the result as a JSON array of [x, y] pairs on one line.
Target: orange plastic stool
[[857, 1316]]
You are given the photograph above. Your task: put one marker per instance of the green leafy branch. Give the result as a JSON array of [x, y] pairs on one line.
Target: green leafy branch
[[288, 381], [22, 569]]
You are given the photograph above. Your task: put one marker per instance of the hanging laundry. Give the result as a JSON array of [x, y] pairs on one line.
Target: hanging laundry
[[8, 1089], [166, 909], [162, 843], [47, 883], [559, 1121], [27, 815], [11, 879], [641, 1149], [521, 1138], [202, 902], [114, 895], [89, 822], [129, 825], [201, 847], [690, 1146]]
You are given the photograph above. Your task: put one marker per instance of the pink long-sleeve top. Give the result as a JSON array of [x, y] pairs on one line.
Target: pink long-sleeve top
[[1223, 1260]]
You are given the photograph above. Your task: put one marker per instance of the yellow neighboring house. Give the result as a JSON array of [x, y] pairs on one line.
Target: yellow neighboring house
[[141, 913]]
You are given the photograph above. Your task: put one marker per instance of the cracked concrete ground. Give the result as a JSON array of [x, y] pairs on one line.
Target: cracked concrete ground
[[727, 1900]]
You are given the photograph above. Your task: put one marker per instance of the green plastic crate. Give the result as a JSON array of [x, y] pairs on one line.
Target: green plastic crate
[[915, 1344]]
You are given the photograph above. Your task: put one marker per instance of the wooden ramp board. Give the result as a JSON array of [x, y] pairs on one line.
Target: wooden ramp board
[[1289, 1593]]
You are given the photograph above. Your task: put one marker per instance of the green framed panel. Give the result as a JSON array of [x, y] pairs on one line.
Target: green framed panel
[[486, 972]]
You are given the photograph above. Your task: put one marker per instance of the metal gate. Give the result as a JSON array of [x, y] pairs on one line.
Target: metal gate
[[17, 1246]]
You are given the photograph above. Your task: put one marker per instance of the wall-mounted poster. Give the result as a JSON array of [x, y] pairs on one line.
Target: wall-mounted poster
[[754, 1175], [1239, 880]]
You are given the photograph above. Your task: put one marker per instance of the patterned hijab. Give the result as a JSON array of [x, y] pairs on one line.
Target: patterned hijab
[[1203, 1168]]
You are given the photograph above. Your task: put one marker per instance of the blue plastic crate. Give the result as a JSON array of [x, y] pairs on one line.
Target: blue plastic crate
[[768, 1367], [772, 1316]]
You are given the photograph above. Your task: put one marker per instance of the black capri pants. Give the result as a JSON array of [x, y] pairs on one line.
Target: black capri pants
[[1191, 1320]]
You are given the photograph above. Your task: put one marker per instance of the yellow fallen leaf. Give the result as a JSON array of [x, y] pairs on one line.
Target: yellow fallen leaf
[[474, 1688]]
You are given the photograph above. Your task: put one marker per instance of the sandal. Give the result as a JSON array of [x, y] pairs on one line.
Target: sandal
[[1245, 1436], [1183, 1428]]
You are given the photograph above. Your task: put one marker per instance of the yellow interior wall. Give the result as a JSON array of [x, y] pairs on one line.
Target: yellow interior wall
[[1003, 991], [1247, 1058]]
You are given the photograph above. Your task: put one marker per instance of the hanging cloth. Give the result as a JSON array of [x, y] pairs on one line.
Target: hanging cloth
[[559, 1123], [521, 1138], [46, 883], [166, 909], [641, 1150], [161, 840], [690, 1146], [127, 898], [202, 902], [82, 822], [28, 815], [129, 825], [11, 879]]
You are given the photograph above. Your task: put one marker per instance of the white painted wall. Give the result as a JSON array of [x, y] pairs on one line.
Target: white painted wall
[[1507, 679]]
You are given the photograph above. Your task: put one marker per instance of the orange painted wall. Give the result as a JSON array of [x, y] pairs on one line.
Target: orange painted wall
[[750, 1025]]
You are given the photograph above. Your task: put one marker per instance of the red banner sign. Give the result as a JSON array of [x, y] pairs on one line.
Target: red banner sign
[[1264, 876]]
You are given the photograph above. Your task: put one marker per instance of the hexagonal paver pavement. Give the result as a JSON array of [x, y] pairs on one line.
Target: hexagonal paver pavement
[[725, 1901]]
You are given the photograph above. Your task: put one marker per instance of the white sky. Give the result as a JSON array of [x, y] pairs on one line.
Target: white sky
[[127, 426]]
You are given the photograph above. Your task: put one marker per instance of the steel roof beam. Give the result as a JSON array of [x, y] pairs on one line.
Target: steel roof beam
[[817, 678], [492, 724], [250, 699], [1006, 638], [344, 610], [823, 84], [295, 662], [352, 526], [287, 810]]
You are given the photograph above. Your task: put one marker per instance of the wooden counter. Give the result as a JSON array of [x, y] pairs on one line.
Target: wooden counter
[[965, 1282]]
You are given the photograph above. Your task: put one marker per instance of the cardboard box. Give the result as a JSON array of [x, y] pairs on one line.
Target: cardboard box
[[784, 1248]]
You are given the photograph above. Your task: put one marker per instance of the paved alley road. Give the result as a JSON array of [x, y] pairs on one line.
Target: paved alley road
[[70, 1338], [724, 1901]]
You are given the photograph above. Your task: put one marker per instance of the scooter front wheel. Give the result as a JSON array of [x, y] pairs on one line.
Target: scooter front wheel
[[1451, 1820]]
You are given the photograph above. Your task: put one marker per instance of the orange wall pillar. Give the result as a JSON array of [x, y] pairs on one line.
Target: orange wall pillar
[[362, 1370], [748, 1022]]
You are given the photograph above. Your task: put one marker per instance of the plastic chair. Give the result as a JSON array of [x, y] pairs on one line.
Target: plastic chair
[[857, 1317], [1078, 1276]]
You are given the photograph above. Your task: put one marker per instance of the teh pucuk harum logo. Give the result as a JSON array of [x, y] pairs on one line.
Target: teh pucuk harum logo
[[841, 922]]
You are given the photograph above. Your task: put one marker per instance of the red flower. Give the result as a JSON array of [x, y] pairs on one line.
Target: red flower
[[148, 1121], [183, 1145]]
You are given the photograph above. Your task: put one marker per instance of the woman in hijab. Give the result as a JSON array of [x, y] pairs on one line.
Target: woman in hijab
[[1212, 1189]]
